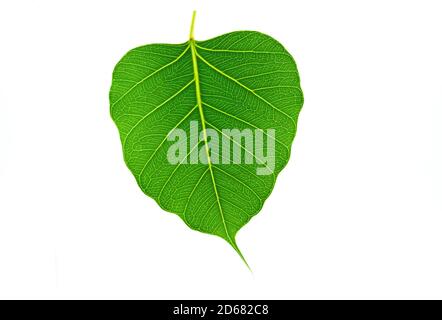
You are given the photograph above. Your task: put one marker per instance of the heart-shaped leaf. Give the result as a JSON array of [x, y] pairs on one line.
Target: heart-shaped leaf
[[206, 126]]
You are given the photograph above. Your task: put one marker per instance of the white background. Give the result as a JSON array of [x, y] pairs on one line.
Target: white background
[[357, 213]]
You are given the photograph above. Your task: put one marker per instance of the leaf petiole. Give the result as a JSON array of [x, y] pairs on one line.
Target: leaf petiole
[[191, 38]]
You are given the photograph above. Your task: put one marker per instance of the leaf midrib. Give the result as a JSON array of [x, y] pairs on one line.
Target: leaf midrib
[[203, 124], [206, 145]]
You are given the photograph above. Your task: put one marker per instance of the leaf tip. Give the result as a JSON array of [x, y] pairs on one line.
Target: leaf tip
[[235, 246]]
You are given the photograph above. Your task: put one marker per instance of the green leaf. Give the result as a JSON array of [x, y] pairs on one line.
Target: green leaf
[[241, 80]]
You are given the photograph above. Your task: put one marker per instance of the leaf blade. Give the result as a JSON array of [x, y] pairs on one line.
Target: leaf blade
[[244, 80]]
